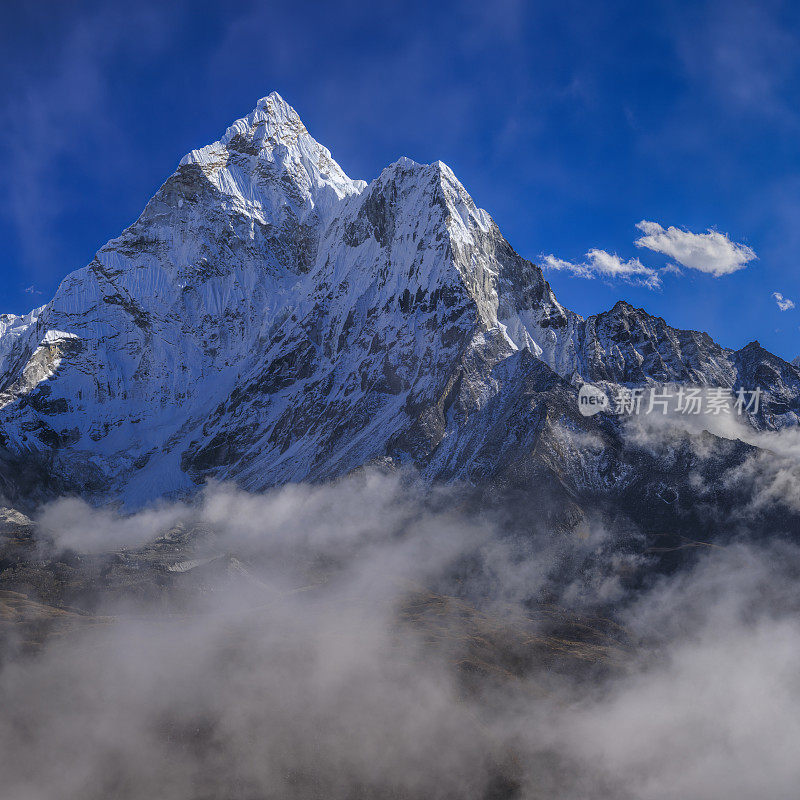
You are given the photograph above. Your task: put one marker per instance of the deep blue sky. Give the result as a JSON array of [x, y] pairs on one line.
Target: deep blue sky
[[568, 121]]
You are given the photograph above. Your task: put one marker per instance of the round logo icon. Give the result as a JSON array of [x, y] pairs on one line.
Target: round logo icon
[[592, 400]]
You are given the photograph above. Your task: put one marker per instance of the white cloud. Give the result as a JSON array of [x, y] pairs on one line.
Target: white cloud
[[712, 252], [580, 270], [784, 303], [330, 608], [601, 264]]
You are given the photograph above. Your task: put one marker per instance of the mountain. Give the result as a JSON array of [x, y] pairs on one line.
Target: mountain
[[267, 319]]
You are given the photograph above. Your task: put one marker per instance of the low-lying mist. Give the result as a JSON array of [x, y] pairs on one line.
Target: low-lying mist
[[373, 638]]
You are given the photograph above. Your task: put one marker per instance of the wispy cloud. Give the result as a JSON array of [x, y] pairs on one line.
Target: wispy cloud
[[712, 252], [784, 303], [47, 119], [742, 56], [602, 264]]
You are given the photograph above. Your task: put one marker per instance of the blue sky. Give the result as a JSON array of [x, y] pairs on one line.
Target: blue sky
[[570, 122]]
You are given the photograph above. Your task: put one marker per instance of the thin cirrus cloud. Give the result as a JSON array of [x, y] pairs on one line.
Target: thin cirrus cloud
[[602, 264], [784, 303], [712, 252]]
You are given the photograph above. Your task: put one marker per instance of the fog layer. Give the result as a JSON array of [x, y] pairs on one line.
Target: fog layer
[[372, 639]]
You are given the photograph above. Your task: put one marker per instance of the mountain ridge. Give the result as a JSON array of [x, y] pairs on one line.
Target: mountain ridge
[[267, 319]]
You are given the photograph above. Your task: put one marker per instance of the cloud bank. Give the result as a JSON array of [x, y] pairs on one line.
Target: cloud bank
[[309, 666]]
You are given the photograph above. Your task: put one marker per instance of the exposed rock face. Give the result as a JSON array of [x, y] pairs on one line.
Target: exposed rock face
[[268, 319]]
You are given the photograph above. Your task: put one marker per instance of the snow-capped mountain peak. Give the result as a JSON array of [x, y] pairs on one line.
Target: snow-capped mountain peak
[[269, 319], [273, 141]]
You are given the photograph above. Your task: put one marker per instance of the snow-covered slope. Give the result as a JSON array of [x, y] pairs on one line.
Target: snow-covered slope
[[268, 319]]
